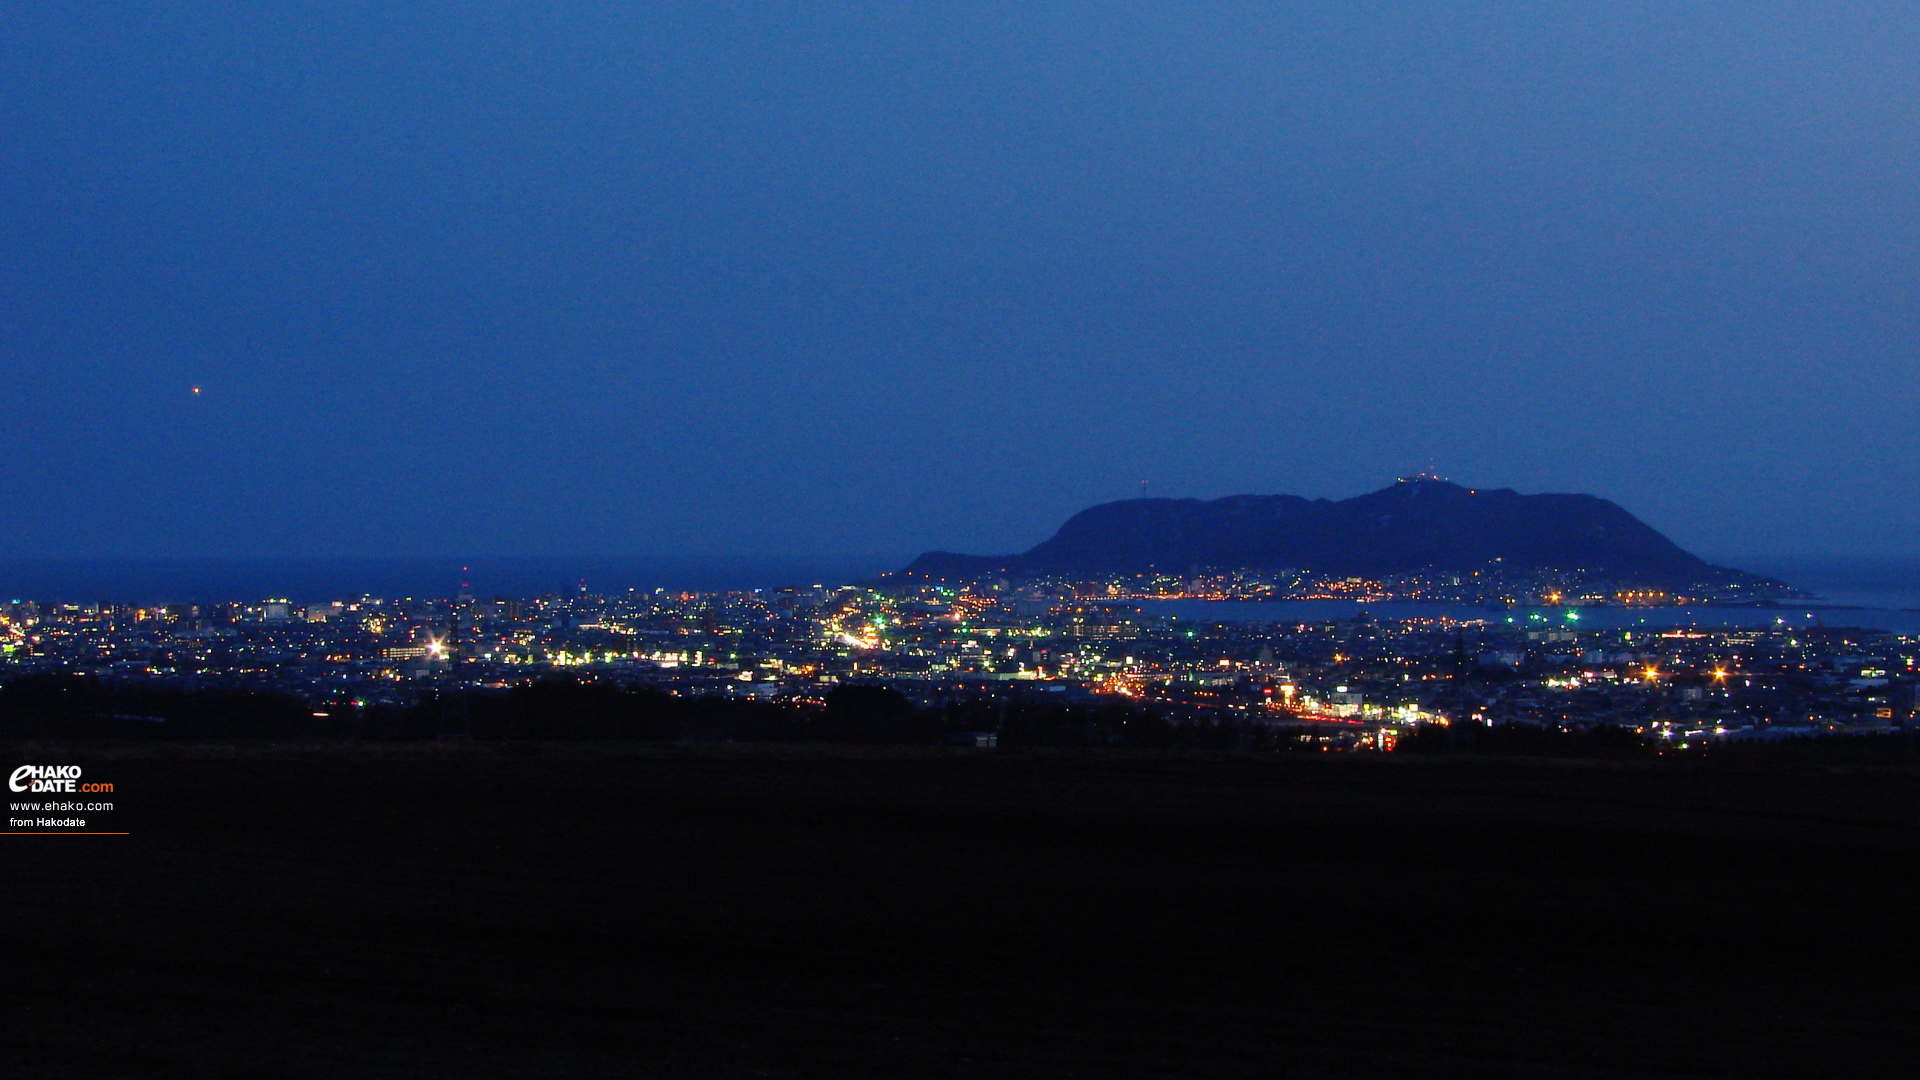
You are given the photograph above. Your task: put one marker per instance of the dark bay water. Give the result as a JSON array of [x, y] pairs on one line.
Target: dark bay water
[[1533, 618], [1881, 593]]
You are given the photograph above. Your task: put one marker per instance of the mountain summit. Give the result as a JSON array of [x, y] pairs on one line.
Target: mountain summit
[[1419, 523]]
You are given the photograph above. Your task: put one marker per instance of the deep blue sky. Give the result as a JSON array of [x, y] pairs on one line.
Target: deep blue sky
[[723, 278]]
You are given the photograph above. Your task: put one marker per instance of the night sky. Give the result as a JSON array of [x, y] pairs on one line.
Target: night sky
[[735, 278]]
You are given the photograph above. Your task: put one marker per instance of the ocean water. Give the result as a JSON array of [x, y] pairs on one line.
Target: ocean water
[[1844, 581], [318, 580]]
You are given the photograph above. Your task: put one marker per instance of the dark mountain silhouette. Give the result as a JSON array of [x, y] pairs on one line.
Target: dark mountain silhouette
[[1416, 524]]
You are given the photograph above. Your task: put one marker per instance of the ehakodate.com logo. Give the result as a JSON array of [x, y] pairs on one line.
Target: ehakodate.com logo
[[52, 779]]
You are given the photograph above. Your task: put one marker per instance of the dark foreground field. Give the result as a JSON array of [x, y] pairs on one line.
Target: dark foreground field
[[472, 911]]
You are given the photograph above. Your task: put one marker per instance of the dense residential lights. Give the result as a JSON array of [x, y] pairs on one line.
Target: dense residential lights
[[1355, 674]]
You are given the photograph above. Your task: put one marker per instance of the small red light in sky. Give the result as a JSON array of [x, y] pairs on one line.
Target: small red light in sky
[[196, 389]]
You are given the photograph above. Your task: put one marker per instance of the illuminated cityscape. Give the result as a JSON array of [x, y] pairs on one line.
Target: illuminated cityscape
[[1351, 682], [1007, 541]]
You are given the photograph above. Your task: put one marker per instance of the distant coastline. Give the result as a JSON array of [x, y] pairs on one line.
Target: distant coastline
[[322, 579], [1846, 581], [1693, 616], [1851, 583]]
